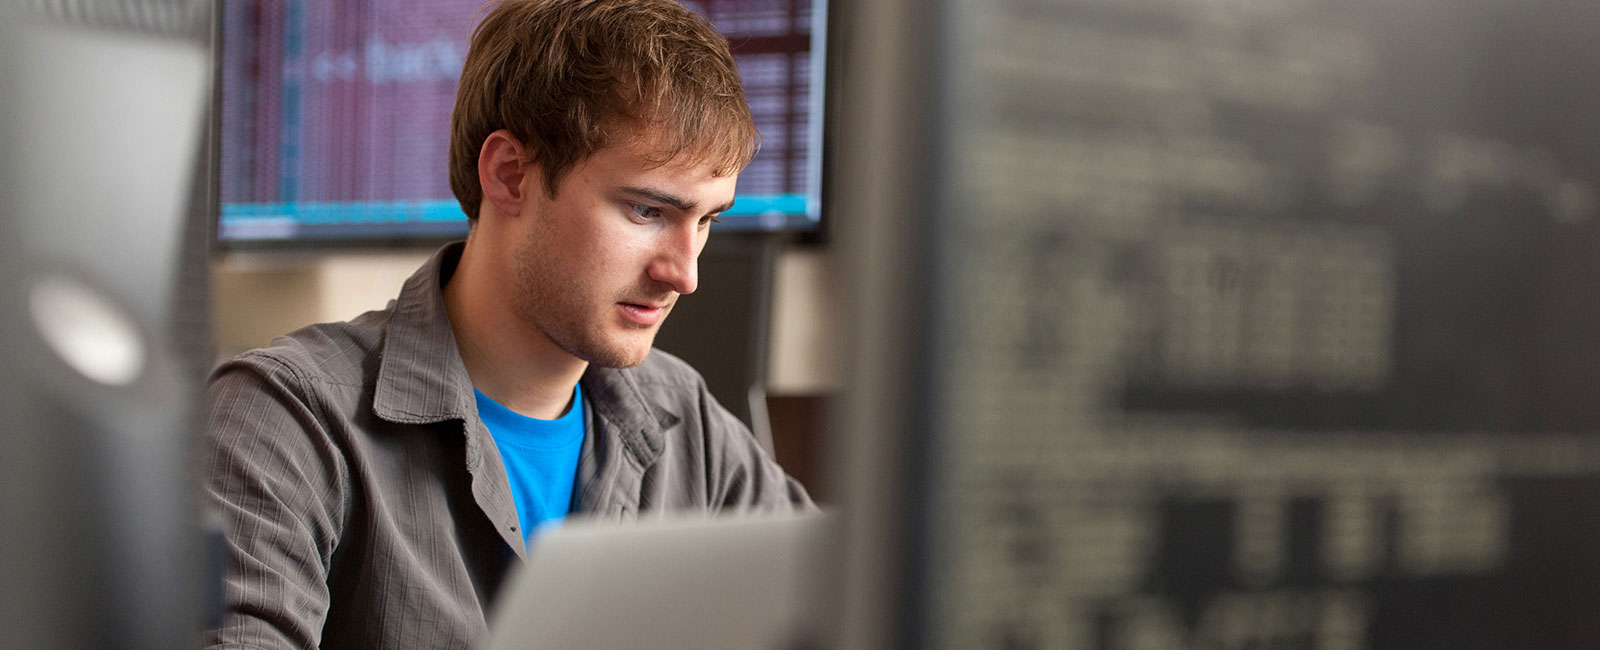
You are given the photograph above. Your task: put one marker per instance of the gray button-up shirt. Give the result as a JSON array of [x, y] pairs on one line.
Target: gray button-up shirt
[[366, 505]]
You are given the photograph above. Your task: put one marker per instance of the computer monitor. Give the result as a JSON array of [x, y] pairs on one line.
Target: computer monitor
[[102, 271], [1221, 324], [334, 118]]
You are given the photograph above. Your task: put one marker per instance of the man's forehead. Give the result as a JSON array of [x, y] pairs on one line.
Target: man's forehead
[[645, 171], [655, 157]]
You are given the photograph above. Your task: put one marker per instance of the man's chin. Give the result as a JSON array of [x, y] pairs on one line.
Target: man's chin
[[618, 362], [617, 356]]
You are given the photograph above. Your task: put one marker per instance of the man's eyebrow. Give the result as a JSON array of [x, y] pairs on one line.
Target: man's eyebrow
[[682, 205], [658, 196]]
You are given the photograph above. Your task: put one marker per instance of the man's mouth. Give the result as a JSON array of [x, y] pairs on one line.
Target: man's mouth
[[644, 313]]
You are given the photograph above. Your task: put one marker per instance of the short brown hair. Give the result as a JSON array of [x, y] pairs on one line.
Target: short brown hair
[[570, 77]]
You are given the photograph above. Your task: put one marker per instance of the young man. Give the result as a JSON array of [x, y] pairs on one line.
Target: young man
[[378, 477]]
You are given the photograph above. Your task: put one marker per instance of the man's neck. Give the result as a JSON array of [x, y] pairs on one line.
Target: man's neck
[[508, 359]]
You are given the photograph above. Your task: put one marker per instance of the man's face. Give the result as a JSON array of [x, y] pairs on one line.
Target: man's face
[[603, 262]]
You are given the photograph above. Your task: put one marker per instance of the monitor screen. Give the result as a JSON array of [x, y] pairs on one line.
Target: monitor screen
[[1206, 325], [335, 117]]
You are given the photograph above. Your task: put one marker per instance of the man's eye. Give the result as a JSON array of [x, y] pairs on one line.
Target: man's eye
[[646, 212], [709, 219]]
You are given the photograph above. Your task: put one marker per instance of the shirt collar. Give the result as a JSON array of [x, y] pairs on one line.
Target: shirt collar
[[421, 378], [620, 405]]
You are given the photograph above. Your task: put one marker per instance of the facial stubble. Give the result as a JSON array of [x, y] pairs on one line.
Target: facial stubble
[[553, 300]]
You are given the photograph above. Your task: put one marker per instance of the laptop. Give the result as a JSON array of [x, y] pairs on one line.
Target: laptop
[[685, 583]]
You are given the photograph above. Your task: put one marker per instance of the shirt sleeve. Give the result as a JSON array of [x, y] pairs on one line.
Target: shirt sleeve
[[278, 482], [744, 476]]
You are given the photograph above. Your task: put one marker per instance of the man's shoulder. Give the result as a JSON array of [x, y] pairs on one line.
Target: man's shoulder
[[344, 352]]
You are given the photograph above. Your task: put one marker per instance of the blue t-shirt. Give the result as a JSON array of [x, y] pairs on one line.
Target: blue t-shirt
[[541, 458]]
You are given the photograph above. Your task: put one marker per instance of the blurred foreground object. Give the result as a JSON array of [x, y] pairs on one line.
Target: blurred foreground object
[[1224, 324], [100, 129], [685, 582]]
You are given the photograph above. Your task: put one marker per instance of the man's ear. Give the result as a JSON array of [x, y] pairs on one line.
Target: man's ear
[[503, 163]]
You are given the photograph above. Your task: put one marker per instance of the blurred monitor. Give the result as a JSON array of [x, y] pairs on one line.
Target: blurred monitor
[[334, 118], [1223, 324], [102, 296]]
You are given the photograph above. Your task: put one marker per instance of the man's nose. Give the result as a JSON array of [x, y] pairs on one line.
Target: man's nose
[[676, 263]]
